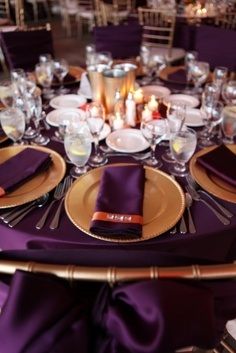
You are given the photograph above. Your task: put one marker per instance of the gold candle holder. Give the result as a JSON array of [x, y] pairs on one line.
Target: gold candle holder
[[97, 82], [130, 70]]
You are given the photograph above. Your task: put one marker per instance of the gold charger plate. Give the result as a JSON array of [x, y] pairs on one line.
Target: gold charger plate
[[164, 203], [210, 182], [37, 186]]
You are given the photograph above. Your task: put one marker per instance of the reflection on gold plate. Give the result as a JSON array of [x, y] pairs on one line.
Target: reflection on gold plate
[[164, 74], [210, 182], [75, 73], [164, 203], [38, 185]]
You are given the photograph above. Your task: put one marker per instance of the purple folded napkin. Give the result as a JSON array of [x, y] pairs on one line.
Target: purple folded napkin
[[221, 162], [21, 167], [119, 206], [178, 76]]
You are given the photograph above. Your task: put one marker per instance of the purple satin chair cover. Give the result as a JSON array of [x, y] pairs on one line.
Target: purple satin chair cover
[[21, 167], [178, 76], [162, 316], [42, 315], [216, 46], [121, 192], [221, 162], [23, 48], [123, 41]]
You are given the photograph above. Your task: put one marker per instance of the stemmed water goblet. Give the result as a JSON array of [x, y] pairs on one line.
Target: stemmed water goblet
[[189, 58], [44, 75], [219, 77], [60, 70], [176, 115], [211, 116], [95, 117], [229, 92], [229, 123], [37, 116], [18, 77], [154, 131], [199, 71], [103, 58], [182, 144], [45, 58], [13, 124], [78, 146]]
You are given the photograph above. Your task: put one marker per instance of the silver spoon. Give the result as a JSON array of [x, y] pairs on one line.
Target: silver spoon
[[41, 201], [189, 201]]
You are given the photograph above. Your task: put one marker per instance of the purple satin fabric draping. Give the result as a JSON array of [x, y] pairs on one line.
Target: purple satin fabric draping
[[22, 167], [123, 41], [143, 317], [120, 193], [23, 48], [221, 162]]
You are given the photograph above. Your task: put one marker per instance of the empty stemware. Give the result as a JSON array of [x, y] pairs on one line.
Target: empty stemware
[[189, 58], [229, 92], [37, 115], [219, 77], [154, 131], [61, 69], [199, 72], [95, 117], [44, 75]]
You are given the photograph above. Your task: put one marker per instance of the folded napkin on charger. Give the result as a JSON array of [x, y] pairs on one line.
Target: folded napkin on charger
[[221, 161], [21, 167], [178, 76], [119, 206], [85, 87]]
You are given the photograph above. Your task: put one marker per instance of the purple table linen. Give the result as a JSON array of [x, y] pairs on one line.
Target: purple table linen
[[221, 162], [178, 76], [123, 41], [121, 193], [21, 167], [42, 315]]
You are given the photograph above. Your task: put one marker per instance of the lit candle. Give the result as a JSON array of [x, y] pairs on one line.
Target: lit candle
[[153, 104], [118, 122], [146, 114], [130, 110], [94, 111], [138, 96]]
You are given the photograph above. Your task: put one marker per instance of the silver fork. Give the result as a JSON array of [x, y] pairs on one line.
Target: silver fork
[[58, 194], [197, 197], [55, 221], [194, 185]]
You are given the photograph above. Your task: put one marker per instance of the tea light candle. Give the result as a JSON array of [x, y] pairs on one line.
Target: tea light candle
[[118, 122], [153, 104], [138, 96], [94, 111], [146, 114]]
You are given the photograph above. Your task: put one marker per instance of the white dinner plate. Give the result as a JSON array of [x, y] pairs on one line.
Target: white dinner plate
[[57, 116], [157, 91], [193, 118], [187, 100], [68, 101], [127, 141]]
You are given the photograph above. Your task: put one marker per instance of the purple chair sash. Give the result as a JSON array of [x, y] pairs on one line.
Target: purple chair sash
[[123, 41]]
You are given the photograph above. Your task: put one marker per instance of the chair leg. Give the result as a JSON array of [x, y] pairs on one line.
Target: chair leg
[[68, 26], [46, 8], [79, 26], [3, 62], [35, 11]]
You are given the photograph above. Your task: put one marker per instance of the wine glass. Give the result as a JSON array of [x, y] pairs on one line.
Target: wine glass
[[13, 124], [44, 75], [7, 94], [211, 116], [154, 131], [95, 117], [37, 116], [182, 144], [219, 77], [90, 56], [78, 148], [61, 69], [189, 58], [18, 77], [229, 123], [45, 58], [199, 71], [27, 104], [229, 92], [176, 114], [104, 58]]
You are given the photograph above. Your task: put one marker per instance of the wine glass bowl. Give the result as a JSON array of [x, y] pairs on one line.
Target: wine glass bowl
[[13, 123], [229, 92], [154, 131], [199, 71], [60, 70], [182, 144], [44, 75]]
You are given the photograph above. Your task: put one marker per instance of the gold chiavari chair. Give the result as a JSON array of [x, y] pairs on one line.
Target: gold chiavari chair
[[35, 5], [158, 32], [115, 12], [5, 16], [227, 20]]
